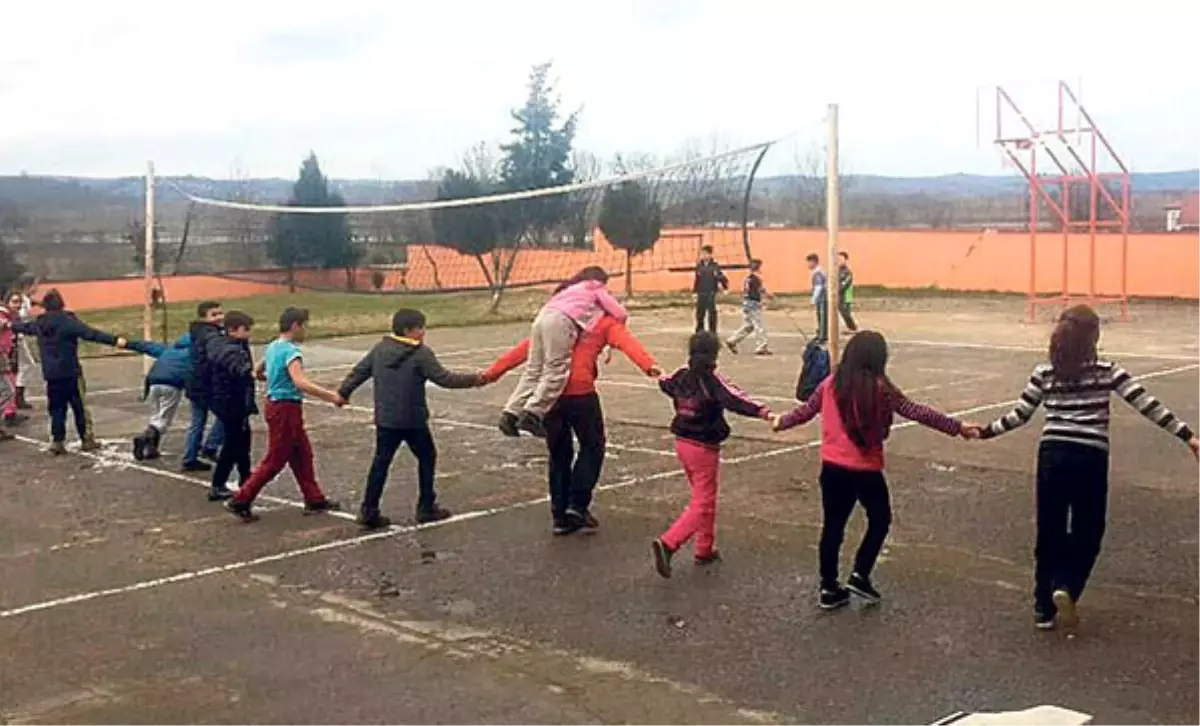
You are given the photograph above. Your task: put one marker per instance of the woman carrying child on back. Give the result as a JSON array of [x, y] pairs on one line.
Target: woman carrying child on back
[[575, 306], [1072, 461], [700, 397], [857, 404]]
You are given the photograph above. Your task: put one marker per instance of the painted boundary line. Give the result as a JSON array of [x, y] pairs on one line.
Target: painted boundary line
[[189, 575]]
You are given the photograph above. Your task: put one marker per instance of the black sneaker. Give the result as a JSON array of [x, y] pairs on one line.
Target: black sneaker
[[241, 510], [563, 527], [432, 514], [711, 558], [139, 448], [1043, 618], [732, 347], [581, 521], [508, 424], [764, 351], [321, 506], [196, 465], [150, 453], [833, 598], [862, 587], [662, 558], [220, 495], [532, 423], [1064, 605], [590, 524], [210, 455], [373, 521]]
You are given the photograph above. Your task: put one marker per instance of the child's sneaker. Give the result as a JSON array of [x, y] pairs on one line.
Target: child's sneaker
[[861, 586], [139, 448], [1043, 618], [833, 598], [532, 423], [241, 510], [57, 448], [711, 558], [89, 444], [6, 436], [321, 506], [210, 455], [662, 558], [219, 494], [508, 424], [764, 351], [425, 515], [731, 346], [1064, 604], [373, 521], [196, 465], [563, 526]]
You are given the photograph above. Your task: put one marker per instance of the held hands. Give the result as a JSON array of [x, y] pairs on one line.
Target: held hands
[[260, 371], [654, 371], [776, 422], [971, 431], [1194, 445], [122, 343]]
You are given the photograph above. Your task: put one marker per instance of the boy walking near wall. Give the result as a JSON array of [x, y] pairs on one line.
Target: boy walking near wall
[[401, 364], [287, 439], [846, 291], [208, 326], [58, 333], [819, 292], [708, 282], [753, 296]]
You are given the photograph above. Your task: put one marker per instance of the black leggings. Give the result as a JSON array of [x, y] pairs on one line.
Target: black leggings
[[840, 490], [1072, 506]]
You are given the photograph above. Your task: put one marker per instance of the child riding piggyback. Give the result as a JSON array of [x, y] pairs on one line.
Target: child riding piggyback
[[575, 306]]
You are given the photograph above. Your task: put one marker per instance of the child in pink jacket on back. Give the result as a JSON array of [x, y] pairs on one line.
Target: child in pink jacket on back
[[576, 306]]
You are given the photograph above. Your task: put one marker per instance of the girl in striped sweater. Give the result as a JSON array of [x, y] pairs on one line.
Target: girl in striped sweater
[[1072, 464]]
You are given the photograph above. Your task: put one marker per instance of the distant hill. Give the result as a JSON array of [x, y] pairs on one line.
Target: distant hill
[[82, 191]]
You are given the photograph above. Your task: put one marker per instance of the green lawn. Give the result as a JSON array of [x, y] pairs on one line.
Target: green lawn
[[335, 314]]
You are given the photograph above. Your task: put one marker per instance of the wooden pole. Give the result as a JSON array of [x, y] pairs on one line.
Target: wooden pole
[[148, 312], [832, 221]]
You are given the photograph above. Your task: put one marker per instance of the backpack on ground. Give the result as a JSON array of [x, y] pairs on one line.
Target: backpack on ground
[[814, 368]]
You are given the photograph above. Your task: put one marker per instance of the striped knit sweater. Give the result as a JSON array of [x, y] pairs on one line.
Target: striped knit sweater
[[1078, 411]]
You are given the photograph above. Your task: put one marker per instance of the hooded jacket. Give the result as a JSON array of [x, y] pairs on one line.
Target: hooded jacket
[[172, 366], [201, 332], [230, 393], [400, 367], [58, 334]]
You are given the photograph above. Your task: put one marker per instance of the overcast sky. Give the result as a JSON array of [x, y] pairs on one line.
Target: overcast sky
[[392, 89]]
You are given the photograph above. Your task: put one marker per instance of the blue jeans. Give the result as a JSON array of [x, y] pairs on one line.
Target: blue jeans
[[195, 434]]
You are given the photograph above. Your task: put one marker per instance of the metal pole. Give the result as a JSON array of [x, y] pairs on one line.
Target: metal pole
[[148, 312], [832, 221]]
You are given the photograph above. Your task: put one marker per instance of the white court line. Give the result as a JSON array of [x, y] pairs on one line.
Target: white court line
[[448, 354], [467, 516]]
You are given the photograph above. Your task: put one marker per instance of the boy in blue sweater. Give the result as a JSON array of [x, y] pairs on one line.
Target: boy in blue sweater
[[165, 383]]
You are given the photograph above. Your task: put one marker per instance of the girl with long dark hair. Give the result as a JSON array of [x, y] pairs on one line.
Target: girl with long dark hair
[[700, 396], [857, 404], [1072, 462]]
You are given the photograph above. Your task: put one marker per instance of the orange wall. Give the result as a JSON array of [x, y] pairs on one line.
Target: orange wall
[[1159, 265]]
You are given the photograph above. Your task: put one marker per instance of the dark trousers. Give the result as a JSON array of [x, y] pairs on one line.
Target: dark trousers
[[63, 394], [1072, 505], [387, 443], [822, 323], [706, 308], [573, 478], [847, 316], [235, 452], [840, 490]]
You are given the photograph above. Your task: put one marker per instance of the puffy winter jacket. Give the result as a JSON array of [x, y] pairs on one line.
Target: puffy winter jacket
[[58, 334], [202, 333], [172, 366], [230, 393]]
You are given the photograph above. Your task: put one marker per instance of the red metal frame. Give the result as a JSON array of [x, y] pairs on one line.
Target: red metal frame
[[1023, 152]]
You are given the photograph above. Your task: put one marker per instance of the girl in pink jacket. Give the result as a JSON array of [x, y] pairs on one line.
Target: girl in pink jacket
[[575, 306]]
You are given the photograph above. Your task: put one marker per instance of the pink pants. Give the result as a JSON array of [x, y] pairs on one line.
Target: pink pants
[[702, 464], [8, 394]]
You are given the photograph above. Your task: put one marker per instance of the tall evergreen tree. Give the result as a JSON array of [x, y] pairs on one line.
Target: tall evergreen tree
[[539, 156], [313, 239]]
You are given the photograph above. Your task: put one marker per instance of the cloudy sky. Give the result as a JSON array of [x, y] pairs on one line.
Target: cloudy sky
[[392, 89]]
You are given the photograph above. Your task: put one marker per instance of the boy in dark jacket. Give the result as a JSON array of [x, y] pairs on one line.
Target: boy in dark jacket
[[202, 331], [163, 390], [58, 333], [401, 364], [709, 280], [230, 396]]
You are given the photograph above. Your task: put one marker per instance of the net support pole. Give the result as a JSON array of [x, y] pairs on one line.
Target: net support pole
[[148, 312], [832, 222]]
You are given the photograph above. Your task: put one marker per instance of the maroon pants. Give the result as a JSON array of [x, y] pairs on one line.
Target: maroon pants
[[287, 445]]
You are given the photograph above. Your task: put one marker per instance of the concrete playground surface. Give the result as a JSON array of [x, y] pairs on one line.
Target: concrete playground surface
[[128, 598]]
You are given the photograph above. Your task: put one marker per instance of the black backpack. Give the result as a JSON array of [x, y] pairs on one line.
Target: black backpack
[[814, 369]]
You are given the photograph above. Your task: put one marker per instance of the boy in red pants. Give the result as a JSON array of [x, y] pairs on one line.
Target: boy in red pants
[[287, 440]]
